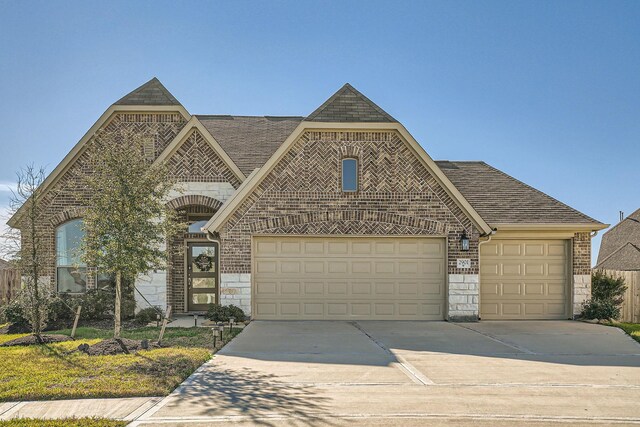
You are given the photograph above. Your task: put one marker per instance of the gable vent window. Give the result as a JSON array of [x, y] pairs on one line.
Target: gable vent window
[[349, 175], [148, 146]]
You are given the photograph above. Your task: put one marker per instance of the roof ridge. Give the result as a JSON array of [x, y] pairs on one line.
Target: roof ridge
[[342, 114], [242, 115], [541, 192], [630, 218], [150, 93]]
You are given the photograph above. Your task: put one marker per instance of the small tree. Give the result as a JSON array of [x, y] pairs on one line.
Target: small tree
[[126, 223], [27, 248], [607, 295]]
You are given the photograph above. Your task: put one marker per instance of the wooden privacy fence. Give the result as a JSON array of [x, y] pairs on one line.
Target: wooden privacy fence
[[9, 284], [630, 311]]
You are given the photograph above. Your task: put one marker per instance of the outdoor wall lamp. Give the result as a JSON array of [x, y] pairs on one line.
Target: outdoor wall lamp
[[464, 241]]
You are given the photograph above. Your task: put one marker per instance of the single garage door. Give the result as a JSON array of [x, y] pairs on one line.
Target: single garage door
[[313, 278], [524, 279]]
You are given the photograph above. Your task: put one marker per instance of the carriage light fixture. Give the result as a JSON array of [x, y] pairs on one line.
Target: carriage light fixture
[[464, 241]]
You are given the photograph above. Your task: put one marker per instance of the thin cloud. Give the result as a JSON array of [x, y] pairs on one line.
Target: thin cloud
[[7, 186]]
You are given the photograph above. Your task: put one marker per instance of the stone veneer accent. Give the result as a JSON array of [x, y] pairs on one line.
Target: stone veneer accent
[[581, 291], [235, 288], [463, 298]]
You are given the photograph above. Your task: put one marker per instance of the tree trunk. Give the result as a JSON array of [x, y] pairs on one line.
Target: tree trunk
[[117, 315]]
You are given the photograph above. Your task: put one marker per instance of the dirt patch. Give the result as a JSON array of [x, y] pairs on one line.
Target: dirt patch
[[114, 346], [33, 340]]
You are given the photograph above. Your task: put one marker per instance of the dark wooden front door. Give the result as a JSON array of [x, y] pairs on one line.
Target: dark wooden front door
[[202, 275]]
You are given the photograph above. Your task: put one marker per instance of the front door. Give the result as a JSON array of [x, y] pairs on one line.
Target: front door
[[202, 275]]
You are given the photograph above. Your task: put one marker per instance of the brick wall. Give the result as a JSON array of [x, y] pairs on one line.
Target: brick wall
[[64, 200], [302, 195]]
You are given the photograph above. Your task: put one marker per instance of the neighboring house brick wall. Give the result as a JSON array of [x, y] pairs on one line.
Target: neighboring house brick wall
[[581, 270], [302, 195]]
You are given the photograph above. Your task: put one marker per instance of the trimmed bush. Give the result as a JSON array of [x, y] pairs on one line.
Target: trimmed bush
[[607, 295], [148, 315], [222, 313]]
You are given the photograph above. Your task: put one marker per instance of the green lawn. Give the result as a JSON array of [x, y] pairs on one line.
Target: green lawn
[[53, 371], [632, 329], [69, 422]]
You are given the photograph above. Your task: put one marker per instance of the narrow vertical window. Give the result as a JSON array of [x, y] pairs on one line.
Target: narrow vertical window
[[71, 273], [349, 175]]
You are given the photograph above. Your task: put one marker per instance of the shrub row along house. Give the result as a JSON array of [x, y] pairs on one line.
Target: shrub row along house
[[337, 215]]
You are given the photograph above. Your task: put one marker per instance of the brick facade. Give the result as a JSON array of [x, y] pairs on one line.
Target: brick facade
[[64, 199]]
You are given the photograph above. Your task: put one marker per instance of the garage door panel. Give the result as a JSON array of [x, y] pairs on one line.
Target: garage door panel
[[377, 278], [524, 279]]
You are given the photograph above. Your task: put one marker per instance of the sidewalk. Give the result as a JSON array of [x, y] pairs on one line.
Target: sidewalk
[[120, 408]]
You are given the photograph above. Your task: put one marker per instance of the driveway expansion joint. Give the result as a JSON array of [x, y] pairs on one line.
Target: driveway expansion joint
[[403, 365]]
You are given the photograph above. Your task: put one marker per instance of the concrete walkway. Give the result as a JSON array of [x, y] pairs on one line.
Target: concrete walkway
[[127, 409]]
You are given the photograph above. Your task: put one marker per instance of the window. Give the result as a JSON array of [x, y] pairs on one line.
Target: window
[[71, 273], [196, 222], [349, 175]]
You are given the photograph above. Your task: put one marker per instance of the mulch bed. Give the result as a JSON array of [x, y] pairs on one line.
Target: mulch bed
[[114, 346], [15, 328], [33, 340]]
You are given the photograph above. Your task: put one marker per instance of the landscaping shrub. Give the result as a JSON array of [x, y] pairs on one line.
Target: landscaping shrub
[[607, 295], [148, 315], [12, 313], [222, 313]]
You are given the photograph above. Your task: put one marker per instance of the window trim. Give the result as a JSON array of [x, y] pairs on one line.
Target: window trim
[[357, 177]]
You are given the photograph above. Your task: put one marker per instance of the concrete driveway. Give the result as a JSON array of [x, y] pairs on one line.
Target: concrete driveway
[[413, 373]]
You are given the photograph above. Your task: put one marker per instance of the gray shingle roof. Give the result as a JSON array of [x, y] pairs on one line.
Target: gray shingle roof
[[500, 198], [624, 232], [625, 258], [250, 140], [349, 105], [151, 93]]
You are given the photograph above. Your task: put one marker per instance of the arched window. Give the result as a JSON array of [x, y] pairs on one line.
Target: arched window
[[71, 273], [349, 175]]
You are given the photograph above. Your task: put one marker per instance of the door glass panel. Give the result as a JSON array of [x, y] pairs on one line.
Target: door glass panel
[[203, 298], [203, 282], [202, 259]]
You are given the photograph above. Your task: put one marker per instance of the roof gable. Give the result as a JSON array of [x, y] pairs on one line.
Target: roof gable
[[151, 93], [223, 215], [626, 231], [349, 105], [625, 258]]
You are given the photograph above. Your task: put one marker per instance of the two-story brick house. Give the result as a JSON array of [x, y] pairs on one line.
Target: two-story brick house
[[337, 215]]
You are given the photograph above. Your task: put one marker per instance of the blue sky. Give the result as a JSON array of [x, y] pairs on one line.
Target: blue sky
[[547, 91]]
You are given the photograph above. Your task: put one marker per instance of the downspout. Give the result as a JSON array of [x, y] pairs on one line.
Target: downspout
[[490, 235], [210, 236]]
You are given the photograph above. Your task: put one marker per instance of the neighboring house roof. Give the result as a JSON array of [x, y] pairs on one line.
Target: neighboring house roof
[[151, 93], [502, 199], [250, 140], [615, 244], [624, 258], [349, 105]]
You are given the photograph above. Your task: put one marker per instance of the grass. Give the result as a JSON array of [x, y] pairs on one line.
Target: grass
[[55, 371], [68, 422], [632, 329]]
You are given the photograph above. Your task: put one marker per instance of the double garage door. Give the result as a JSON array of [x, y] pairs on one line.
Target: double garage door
[[390, 278], [359, 278]]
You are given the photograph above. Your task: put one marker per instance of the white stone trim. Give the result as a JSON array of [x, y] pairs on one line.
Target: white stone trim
[[153, 286], [235, 288], [581, 291], [463, 297], [220, 191]]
